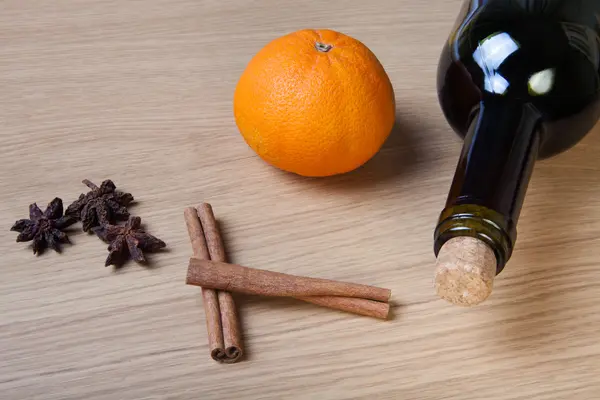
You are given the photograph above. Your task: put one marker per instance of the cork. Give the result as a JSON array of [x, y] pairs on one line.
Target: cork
[[465, 271]]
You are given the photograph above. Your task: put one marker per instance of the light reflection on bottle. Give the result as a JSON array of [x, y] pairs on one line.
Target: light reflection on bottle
[[489, 55], [496, 84], [541, 82]]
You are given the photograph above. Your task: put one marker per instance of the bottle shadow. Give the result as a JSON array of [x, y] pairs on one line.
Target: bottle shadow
[[542, 290]]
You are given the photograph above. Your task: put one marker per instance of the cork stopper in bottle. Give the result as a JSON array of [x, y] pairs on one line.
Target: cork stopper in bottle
[[465, 271]]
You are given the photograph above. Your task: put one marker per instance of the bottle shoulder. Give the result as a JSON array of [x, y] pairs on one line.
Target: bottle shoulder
[[529, 59], [549, 61]]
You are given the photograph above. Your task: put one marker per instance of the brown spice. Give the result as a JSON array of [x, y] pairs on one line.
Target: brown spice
[[222, 323], [44, 228], [209, 296], [236, 278], [368, 308], [229, 319], [127, 241], [259, 282], [100, 206]]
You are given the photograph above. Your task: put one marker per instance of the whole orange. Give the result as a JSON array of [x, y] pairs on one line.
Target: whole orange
[[315, 103]]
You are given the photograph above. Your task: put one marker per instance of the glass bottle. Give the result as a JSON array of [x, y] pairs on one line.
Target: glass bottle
[[519, 81]]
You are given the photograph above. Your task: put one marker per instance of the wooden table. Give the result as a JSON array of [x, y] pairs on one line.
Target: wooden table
[[141, 92]]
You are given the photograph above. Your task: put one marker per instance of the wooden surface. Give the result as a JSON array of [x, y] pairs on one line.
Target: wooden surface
[[141, 92]]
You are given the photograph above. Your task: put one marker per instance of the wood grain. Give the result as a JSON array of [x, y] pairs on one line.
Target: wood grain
[[141, 92]]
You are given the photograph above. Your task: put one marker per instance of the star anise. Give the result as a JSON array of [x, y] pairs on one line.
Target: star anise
[[127, 241], [102, 205], [44, 228]]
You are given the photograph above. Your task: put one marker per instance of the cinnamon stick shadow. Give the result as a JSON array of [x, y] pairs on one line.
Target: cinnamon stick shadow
[[374, 310], [394, 310], [222, 227]]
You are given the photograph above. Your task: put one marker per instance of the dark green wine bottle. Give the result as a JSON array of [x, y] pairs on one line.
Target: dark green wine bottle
[[518, 80]]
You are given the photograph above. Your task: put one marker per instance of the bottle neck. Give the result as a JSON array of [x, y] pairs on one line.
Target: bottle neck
[[492, 176]]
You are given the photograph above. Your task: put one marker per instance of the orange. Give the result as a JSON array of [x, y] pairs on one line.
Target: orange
[[315, 103]]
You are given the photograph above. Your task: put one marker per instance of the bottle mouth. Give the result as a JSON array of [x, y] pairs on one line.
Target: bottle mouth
[[479, 222]]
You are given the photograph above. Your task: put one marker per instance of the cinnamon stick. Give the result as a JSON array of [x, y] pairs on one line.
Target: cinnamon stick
[[229, 319], [209, 296], [236, 278], [209, 241], [368, 308], [219, 350]]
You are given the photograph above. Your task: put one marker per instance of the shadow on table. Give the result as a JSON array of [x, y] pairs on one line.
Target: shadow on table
[[282, 305], [545, 285], [399, 157]]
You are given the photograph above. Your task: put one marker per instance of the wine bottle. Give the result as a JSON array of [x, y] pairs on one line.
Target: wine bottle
[[519, 81]]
